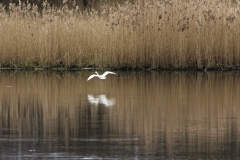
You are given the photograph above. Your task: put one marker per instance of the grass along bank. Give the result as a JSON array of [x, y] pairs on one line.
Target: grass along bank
[[146, 34]]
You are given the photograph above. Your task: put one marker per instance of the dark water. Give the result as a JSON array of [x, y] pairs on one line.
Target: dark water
[[133, 115]]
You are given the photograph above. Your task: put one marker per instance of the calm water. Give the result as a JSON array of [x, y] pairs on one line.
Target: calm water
[[134, 115]]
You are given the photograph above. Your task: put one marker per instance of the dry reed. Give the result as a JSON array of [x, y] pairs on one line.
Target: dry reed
[[145, 34]]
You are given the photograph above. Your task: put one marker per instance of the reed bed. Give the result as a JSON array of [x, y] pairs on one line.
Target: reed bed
[[142, 34]]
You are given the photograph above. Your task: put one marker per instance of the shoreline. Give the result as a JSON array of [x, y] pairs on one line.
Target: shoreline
[[120, 69]]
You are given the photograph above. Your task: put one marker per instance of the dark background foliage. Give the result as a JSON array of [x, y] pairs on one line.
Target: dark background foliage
[[83, 4]]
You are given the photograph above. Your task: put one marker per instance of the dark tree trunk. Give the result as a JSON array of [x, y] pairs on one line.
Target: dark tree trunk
[[85, 4]]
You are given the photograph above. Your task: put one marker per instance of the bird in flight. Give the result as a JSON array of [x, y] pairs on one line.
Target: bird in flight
[[103, 76]]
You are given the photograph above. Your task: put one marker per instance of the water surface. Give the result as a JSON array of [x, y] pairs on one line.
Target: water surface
[[134, 115]]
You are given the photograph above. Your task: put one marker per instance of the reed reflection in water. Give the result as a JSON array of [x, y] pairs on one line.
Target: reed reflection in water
[[131, 115]]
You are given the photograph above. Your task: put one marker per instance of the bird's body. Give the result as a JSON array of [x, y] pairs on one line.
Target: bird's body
[[103, 76]]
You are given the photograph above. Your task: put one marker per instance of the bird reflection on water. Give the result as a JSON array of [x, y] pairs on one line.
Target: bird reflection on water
[[101, 99]]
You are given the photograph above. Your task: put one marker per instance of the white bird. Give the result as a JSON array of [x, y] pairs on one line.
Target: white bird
[[103, 76]]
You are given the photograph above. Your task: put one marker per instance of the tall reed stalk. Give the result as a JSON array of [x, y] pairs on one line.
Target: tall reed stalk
[[155, 34]]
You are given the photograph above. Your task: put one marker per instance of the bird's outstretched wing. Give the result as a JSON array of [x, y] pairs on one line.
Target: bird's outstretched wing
[[107, 72], [90, 77]]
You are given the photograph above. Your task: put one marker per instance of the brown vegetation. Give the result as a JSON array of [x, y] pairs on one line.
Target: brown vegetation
[[144, 34]]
